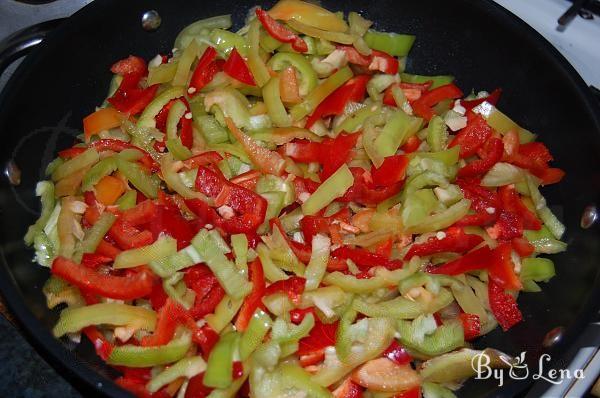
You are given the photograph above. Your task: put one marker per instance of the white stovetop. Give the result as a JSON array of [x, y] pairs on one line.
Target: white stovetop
[[579, 43]]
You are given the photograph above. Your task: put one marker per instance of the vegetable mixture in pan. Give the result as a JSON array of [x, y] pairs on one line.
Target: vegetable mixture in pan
[[282, 211]]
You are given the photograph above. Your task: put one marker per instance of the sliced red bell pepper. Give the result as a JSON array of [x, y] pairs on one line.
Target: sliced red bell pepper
[[352, 91], [254, 299], [102, 346], [422, 106], [478, 259], [511, 202], [397, 353], [348, 389], [533, 156], [392, 171], [158, 296], [114, 145], [471, 325], [365, 259], [206, 338], [412, 92], [303, 151], [128, 237], [384, 62], [522, 247], [293, 287], [70, 153], [116, 287], [247, 180], [412, 144], [250, 207], [205, 213], [186, 133], [414, 392], [472, 137], [477, 219], [481, 198], [492, 99], [280, 32], [335, 152], [551, 175], [237, 370], [504, 307], [185, 125], [514, 216], [137, 387], [169, 316], [161, 117], [507, 226], [377, 61], [168, 220], [364, 192], [129, 65], [236, 67], [140, 214], [130, 99], [303, 251], [455, 241], [502, 269], [205, 71], [492, 152], [312, 358], [537, 152], [203, 159], [303, 186], [385, 248], [208, 290], [196, 387], [353, 56], [107, 249], [321, 336], [331, 153], [94, 260], [312, 225]]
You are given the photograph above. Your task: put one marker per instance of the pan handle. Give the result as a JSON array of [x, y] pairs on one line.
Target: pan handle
[[23, 41]]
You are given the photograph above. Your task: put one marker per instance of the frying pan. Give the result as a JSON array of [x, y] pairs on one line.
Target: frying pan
[[480, 43]]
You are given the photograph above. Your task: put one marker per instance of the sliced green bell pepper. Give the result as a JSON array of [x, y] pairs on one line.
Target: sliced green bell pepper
[[139, 178], [134, 356], [219, 373], [308, 77], [253, 336], [96, 233], [332, 188], [257, 66], [161, 248], [437, 80], [392, 43], [275, 108], [186, 367], [97, 172], [319, 93], [81, 161], [74, 319], [232, 281], [45, 190], [445, 338]]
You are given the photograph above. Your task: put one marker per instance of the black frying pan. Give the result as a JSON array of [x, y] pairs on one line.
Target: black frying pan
[[479, 42]]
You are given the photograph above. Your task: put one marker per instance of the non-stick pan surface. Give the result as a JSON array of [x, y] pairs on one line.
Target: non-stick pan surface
[[480, 43]]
